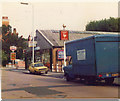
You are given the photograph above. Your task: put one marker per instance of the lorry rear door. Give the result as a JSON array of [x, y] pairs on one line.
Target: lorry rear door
[[107, 56]]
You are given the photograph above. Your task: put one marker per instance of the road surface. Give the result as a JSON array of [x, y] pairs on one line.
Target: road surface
[[19, 84]]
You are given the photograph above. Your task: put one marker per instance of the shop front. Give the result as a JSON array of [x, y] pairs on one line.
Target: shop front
[[44, 56], [52, 58]]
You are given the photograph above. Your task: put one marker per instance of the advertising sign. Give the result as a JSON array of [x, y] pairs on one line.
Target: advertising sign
[[13, 56], [81, 54], [60, 54], [64, 35]]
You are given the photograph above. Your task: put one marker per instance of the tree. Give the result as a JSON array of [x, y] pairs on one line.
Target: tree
[[4, 58], [12, 39], [106, 25], [118, 24]]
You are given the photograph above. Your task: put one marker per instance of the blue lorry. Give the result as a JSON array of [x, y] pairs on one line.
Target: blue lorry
[[94, 58]]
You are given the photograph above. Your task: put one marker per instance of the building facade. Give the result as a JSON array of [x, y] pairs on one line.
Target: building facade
[[51, 48], [51, 51]]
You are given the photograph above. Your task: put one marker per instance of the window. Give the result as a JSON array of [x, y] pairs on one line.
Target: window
[[38, 65]]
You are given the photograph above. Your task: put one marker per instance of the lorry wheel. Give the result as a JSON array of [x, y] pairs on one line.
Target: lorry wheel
[[90, 81], [67, 77], [109, 80]]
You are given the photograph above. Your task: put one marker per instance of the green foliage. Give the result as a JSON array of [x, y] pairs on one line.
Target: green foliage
[[12, 39], [5, 29], [106, 25], [4, 58]]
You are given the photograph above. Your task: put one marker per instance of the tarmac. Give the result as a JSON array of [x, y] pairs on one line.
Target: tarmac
[[23, 70], [50, 74]]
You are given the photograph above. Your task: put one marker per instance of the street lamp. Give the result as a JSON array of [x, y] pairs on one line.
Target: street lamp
[[32, 28], [24, 3], [64, 48]]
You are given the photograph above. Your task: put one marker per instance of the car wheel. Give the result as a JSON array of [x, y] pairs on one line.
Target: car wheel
[[35, 72], [46, 72], [30, 72]]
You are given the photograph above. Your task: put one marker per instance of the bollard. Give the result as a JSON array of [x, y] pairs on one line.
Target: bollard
[[57, 68], [53, 68], [62, 68]]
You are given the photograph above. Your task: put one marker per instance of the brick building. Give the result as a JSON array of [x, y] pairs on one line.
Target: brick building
[[5, 21]]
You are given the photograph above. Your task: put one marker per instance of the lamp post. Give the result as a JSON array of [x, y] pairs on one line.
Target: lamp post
[[32, 28], [64, 48]]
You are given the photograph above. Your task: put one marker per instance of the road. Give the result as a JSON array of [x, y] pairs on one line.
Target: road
[[19, 84]]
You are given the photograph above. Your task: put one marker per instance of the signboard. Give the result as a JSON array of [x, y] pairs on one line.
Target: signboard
[[37, 48], [13, 48], [13, 56], [60, 54], [64, 35], [30, 43], [81, 54], [24, 50]]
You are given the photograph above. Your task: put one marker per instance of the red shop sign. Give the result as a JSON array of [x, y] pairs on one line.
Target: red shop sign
[[64, 35]]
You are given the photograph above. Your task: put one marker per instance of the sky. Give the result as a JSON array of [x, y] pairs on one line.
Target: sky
[[52, 14]]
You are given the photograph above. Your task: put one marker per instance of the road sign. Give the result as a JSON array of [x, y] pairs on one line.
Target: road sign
[[64, 35], [13, 56], [30, 43], [13, 48]]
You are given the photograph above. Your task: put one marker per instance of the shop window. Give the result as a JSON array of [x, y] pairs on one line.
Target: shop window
[[46, 58]]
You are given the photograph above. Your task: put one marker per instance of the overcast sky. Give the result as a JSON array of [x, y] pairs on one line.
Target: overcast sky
[[53, 14]]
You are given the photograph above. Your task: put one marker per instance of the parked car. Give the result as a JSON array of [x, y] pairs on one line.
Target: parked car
[[38, 68]]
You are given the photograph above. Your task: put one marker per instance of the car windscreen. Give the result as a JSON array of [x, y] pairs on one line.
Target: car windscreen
[[38, 65]]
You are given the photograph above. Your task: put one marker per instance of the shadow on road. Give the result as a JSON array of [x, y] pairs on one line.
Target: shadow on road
[[76, 81], [41, 91], [97, 83]]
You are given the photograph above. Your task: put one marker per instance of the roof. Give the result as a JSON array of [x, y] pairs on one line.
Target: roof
[[103, 36], [53, 36], [108, 36]]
